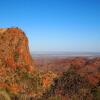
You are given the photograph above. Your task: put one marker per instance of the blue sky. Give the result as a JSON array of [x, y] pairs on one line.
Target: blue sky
[[55, 25]]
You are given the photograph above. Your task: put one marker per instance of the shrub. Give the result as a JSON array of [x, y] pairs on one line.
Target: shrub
[[4, 95], [96, 93], [16, 56], [67, 85], [55, 98]]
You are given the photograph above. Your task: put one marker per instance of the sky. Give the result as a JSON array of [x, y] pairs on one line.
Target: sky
[[55, 25]]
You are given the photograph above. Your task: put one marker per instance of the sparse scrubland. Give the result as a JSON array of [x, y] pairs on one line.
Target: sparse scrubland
[[22, 78]]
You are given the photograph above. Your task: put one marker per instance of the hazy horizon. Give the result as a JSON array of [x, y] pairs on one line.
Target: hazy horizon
[[64, 54]]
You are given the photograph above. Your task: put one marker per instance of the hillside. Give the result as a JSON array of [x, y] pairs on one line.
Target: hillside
[[17, 69], [24, 78]]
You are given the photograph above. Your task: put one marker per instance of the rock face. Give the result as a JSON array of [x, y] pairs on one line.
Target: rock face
[[14, 49], [17, 69]]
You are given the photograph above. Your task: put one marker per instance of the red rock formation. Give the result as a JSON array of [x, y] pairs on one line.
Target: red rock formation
[[14, 48]]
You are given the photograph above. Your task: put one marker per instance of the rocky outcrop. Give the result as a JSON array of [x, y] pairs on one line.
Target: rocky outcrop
[[17, 69], [14, 50]]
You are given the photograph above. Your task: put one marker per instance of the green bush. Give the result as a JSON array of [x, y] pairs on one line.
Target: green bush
[[16, 56], [55, 98], [4, 95], [96, 93]]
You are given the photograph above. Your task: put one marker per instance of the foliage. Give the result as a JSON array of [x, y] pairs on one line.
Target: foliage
[[54, 98], [16, 56], [4, 95], [68, 84], [96, 92]]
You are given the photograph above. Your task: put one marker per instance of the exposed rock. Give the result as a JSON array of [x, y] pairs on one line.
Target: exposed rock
[[14, 50], [17, 69]]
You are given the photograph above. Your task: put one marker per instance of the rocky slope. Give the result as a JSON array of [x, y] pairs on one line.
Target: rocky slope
[[17, 69], [87, 67], [14, 49]]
